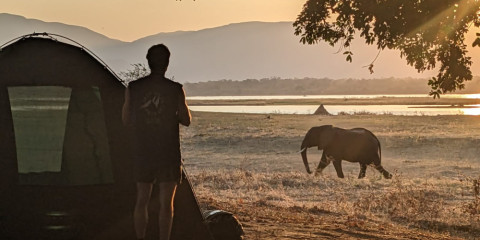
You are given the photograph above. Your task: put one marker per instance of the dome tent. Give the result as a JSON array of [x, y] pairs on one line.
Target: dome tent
[[62, 145], [45, 85], [65, 170]]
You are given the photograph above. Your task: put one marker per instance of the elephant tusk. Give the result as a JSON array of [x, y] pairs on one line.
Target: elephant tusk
[[303, 149]]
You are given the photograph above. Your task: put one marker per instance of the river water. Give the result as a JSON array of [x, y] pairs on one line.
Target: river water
[[470, 96], [25, 104], [341, 109]]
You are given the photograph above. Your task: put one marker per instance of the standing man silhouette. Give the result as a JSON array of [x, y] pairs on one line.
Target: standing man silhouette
[[154, 106]]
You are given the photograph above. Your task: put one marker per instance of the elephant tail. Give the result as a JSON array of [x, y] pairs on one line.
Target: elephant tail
[[379, 152], [379, 149]]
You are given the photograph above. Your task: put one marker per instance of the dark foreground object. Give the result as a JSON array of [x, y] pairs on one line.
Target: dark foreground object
[[65, 165], [65, 159], [93, 212], [188, 222], [223, 225]]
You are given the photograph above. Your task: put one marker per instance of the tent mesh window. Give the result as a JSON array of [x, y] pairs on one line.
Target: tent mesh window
[[60, 135]]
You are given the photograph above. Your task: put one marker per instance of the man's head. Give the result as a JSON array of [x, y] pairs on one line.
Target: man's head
[[158, 57]]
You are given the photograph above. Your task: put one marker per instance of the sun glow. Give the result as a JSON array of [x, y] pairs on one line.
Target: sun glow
[[474, 111], [471, 96], [459, 12]]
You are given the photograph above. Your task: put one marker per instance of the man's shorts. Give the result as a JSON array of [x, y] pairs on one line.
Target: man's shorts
[[166, 173]]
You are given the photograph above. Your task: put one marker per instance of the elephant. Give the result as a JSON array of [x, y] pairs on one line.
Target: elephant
[[353, 145]]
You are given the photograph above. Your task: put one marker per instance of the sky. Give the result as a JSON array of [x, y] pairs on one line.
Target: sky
[[129, 20]]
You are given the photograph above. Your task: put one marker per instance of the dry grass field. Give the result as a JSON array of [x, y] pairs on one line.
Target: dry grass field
[[249, 164]]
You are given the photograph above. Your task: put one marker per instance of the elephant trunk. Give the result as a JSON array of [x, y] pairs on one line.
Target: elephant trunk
[[305, 161]]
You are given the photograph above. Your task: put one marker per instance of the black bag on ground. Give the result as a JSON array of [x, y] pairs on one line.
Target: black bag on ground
[[223, 225]]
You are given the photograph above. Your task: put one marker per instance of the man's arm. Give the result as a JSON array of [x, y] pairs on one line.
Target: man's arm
[[127, 109], [184, 116]]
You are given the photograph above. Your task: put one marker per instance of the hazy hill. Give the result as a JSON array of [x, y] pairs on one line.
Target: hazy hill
[[259, 50], [12, 26], [252, 50]]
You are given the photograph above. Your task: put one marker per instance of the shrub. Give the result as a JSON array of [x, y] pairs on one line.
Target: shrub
[[473, 208], [402, 201]]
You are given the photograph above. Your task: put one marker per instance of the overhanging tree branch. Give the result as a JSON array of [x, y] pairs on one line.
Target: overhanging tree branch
[[426, 32]]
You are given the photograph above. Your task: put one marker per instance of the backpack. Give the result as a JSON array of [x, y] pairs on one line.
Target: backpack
[[223, 225]]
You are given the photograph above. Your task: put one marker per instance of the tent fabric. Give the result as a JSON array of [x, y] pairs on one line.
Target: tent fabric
[[86, 152], [35, 62], [88, 171], [41, 61]]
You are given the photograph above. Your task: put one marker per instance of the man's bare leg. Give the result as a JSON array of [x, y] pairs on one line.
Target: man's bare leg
[[167, 194], [140, 214]]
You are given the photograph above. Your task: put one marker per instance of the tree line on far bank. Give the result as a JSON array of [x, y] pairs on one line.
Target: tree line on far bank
[[316, 86]]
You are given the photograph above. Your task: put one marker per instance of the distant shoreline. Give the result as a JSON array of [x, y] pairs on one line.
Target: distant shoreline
[[348, 101], [318, 86]]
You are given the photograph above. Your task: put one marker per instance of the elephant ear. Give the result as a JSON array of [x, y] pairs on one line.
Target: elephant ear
[[326, 136]]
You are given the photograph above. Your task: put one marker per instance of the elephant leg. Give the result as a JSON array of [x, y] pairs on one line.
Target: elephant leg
[[377, 164], [324, 161], [338, 167], [382, 170], [363, 169]]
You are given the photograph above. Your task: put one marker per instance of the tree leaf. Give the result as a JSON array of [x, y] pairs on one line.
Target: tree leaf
[[349, 58], [476, 42], [423, 37]]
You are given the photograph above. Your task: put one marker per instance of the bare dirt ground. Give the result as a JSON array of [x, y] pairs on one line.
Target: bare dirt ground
[[248, 164]]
